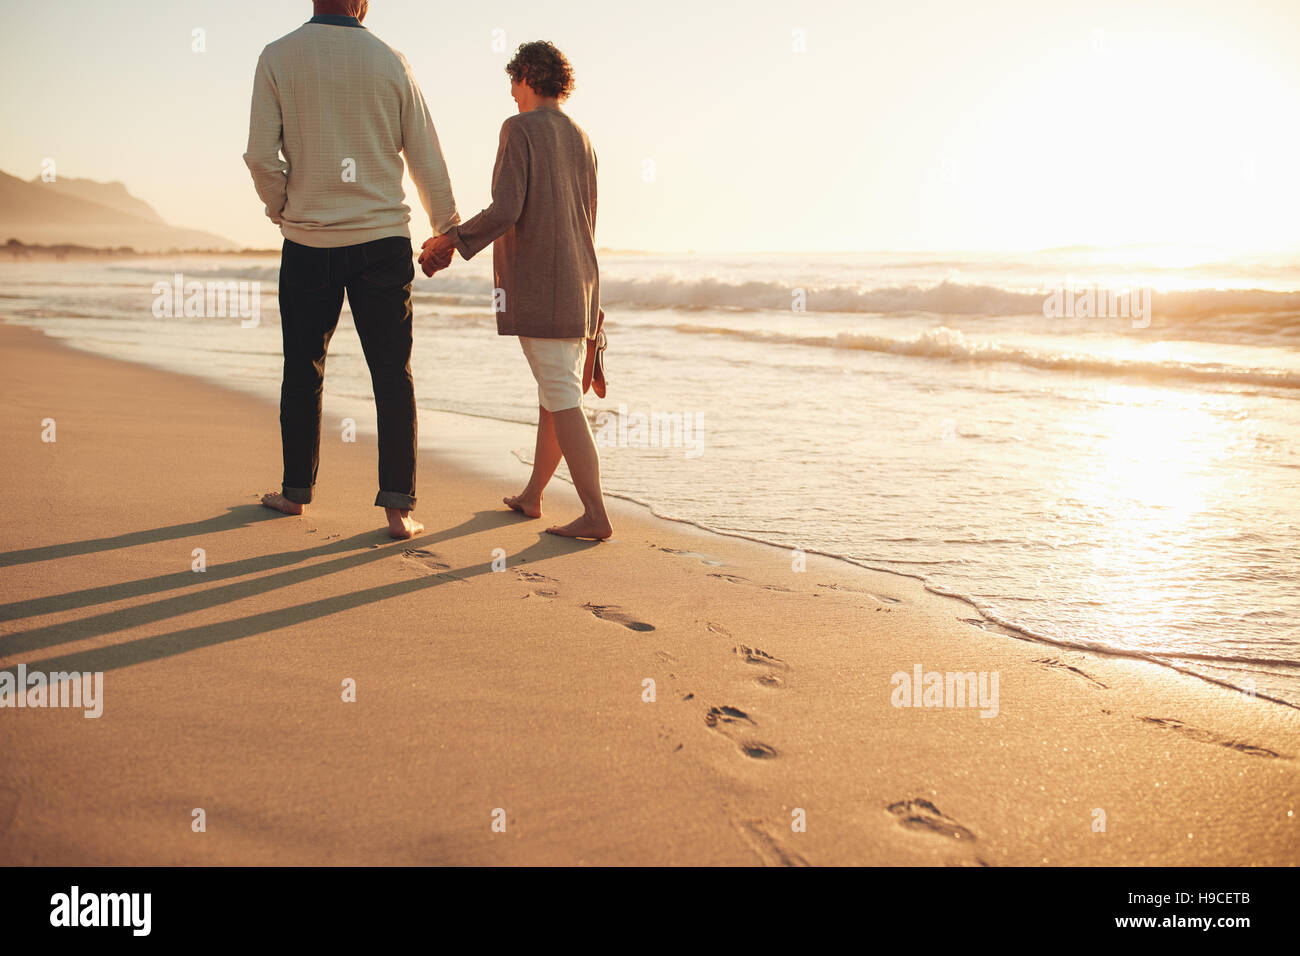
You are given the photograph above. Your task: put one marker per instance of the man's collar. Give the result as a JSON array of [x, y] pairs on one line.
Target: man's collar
[[335, 20]]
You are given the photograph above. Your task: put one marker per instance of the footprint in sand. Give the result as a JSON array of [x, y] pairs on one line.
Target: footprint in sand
[[760, 658], [426, 559], [853, 590], [769, 681], [533, 577], [1210, 737], [702, 558], [732, 578], [737, 579], [764, 838], [920, 814], [726, 715], [615, 615], [1055, 662], [730, 721], [768, 847], [993, 626], [844, 587]]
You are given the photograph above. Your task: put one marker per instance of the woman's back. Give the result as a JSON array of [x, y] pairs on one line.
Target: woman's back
[[542, 222]]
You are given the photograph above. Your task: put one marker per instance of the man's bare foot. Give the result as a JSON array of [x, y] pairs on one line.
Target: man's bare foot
[[525, 505], [584, 527], [278, 502], [401, 525]]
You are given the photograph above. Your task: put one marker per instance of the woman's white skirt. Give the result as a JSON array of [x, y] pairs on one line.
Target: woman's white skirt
[[557, 365]]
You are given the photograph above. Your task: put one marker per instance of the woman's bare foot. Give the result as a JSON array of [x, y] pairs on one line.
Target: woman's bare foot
[[584, 527], [525, 505], [401, 525], [278, 502]]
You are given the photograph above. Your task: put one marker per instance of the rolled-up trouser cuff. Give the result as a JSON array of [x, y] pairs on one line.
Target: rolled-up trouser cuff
[[300, 496], [394, 499]]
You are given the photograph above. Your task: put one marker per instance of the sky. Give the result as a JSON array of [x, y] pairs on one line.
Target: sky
[[735, 126]]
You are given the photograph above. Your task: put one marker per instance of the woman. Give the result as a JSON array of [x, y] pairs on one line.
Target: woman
[[541, 224]]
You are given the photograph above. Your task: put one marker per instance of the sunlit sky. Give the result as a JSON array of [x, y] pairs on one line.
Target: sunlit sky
[[929, 124]]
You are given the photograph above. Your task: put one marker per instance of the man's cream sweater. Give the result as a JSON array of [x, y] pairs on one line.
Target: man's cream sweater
[[342, 106]]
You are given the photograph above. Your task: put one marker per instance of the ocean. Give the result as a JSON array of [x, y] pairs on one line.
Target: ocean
[[1094, 450]]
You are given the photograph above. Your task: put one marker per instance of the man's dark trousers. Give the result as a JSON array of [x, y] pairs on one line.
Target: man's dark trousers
[[377, 278]]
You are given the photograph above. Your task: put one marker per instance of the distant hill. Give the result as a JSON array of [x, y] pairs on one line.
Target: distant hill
[[112, 195], [90, 213]]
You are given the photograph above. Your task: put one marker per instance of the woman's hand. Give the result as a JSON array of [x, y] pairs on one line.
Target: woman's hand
[[436, 254]]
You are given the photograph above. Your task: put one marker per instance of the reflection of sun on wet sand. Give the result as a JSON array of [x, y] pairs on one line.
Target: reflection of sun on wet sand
[[665, 697]]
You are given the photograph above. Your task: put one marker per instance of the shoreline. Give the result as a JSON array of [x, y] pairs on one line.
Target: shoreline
[[774, 685], [482, 456], [995, 624]]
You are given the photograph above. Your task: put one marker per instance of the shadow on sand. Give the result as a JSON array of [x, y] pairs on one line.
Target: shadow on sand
[[352, 552]]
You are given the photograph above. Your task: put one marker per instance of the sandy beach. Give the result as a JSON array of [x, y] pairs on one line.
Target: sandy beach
[[667, 697]]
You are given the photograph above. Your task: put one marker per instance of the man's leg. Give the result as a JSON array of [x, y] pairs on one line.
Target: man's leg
[[379, 292], [310, 301]]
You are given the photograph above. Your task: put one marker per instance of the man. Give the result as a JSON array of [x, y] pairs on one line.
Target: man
[[343, 108]]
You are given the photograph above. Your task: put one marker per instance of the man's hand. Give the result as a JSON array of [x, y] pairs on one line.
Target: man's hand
[[436, 254]]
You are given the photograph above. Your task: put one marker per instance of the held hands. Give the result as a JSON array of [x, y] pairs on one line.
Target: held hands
[[436, 254]]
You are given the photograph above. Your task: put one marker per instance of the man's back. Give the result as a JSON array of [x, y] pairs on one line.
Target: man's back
[[343, 107]]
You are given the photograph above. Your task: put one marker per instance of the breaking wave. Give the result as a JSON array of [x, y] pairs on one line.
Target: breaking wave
[[946, 343]]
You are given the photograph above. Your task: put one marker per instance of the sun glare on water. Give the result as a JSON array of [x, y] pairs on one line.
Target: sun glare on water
[[1149, 491]]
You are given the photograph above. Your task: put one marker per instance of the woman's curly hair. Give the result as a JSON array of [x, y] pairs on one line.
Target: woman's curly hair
[[543, 67]]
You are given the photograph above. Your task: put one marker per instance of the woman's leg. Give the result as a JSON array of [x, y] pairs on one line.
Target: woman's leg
[[546, 458], [579, 449], [557, 366]]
